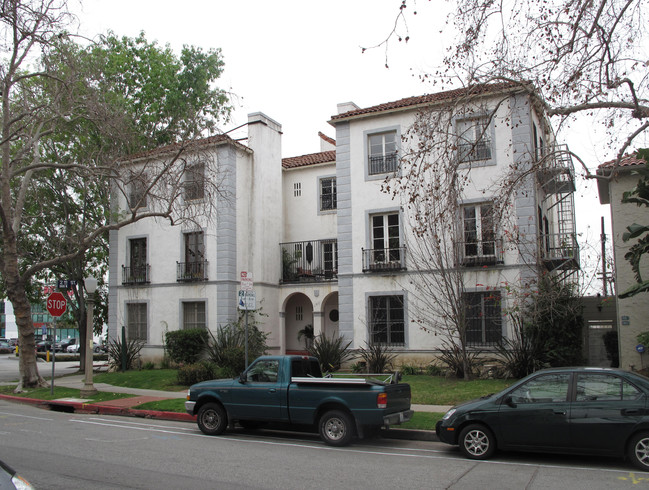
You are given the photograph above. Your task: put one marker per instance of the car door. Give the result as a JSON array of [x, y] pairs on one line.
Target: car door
[[535, 414], [605, 411], [259, 397]]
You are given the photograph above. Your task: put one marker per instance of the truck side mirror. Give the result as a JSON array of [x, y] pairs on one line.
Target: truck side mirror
[[242, 378]]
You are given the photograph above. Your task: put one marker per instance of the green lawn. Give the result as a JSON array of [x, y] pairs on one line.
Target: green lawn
[[148, 379], [438, 390], [61, 392]]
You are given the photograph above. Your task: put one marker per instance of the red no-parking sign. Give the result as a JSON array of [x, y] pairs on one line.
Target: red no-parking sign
[[56, 304]]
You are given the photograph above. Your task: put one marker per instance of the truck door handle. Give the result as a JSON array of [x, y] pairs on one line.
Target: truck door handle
[[630, 411], [559, 412], [272, 390]]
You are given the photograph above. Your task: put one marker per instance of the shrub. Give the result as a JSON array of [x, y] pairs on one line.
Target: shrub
[[454, 360], [409, 369], [227, 347], [131, 349], [195, 373], [377, 358], [520, 355], [148, 366], [186, 346], [434, 370], [331, 352], [359, 367]]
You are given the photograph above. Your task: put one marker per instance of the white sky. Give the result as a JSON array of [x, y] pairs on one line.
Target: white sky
[[295, 60]]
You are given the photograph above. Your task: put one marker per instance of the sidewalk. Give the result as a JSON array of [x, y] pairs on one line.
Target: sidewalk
[[126, 406]]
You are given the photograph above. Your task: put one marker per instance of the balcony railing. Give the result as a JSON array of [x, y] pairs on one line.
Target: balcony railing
[[480, 253], [560, 251], [478, 150], [136, 275], [309, 261], [191, 271], [382, 164], [384, 259]]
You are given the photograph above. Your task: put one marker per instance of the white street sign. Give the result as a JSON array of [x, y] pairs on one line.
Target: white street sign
[[247, 300], [246, 281]]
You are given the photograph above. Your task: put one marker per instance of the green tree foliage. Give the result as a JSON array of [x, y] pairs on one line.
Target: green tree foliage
[[186, 346], [640, 196]]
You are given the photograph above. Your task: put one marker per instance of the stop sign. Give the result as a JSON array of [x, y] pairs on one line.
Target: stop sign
[[56, 304]]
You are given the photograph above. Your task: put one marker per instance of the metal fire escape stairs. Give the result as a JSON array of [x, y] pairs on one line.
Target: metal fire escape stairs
[[559, 249]]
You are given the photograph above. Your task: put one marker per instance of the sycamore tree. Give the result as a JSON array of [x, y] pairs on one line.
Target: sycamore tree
[[71, 115]]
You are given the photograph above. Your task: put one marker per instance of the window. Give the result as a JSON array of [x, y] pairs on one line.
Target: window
[[385, 238], [547, 388], [473, 139], [382, 153], [479, 235], [195, 182], [263, 372], [297, 189], [330, 256], [298, 313], [136, 321], [194, 314], [605, 387], [194, 266], [328, 194], [137, 270], [138, 191], [483, 318], [386, 319]]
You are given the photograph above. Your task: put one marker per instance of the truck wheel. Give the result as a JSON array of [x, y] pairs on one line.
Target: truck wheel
[[336, 428], [477, 442], [212, 419]]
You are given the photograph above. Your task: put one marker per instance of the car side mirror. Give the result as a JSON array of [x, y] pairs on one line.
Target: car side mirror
[[510, 401]]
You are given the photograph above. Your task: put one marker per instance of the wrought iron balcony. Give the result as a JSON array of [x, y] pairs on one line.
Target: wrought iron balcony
[[309, 261], [382, 164], [481, 253], [136, 275], [191, 271], [384, 259]]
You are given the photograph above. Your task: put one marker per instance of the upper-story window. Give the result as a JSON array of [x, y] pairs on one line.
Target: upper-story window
[[474, 141], [194, 268], [328, 195], [479, 235], [195, 182], [137, 197], [297, 189], [382, 153], [137, 270]]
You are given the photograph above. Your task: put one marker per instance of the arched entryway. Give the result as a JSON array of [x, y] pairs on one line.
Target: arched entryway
[[298, 317], [330, 315]]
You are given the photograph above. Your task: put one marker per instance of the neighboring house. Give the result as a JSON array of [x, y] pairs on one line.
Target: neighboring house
[[634, 311], [327, 247]]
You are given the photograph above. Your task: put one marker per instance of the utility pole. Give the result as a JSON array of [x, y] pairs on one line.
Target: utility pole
[[604, 273]]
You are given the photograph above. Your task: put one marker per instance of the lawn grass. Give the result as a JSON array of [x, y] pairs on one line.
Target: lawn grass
[[171, 405], [421, 421], [61, 392], [439, 390], [148, 379]]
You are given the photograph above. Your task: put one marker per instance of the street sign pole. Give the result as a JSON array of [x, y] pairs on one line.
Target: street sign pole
[[246, 343], [53, 355]]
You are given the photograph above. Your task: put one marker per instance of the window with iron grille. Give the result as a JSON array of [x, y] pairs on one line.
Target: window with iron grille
[[195, 182], [483, 317], [136, 321], [382, 153], [479, 236], [474, 141], [386, 320], [297, 189], [194, 314], [328, 197]]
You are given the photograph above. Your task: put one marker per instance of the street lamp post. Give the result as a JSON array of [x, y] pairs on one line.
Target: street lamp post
[[88, 390]]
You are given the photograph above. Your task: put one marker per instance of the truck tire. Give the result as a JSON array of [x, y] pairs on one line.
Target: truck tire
[[336, 428], [212, 419]]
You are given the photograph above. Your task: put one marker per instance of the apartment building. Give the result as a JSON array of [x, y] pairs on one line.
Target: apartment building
[[331, 245]]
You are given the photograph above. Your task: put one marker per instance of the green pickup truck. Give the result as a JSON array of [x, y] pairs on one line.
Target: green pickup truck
[[290, 390]]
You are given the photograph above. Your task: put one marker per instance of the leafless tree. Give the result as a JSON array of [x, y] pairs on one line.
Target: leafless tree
[[44, 93]]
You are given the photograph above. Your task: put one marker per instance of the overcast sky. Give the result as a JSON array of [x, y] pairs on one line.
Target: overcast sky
[[296, 60]]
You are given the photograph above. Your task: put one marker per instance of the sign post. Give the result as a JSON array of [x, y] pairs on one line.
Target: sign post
[[56, 306], [246, 299]]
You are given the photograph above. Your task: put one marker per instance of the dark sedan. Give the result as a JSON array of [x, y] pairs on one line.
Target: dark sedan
[[562, 410]]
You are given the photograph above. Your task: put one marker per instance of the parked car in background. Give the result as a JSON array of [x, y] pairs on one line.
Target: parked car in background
[[62, 345], [564, 410], [44, 346], [5, 347], [74, 348], [10, 479]]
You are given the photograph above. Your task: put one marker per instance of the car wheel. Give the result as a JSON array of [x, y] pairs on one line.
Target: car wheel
[[477, 442], [212, 419], [639, 450], [336, 428]]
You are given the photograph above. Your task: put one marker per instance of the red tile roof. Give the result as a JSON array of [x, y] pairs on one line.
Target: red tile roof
[[626, 161], [310, 159], [327, 138], [188, 145], [430, 99]]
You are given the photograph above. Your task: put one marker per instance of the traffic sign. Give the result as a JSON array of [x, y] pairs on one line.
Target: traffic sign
[[56, 304], [247, 300], [246, 281]]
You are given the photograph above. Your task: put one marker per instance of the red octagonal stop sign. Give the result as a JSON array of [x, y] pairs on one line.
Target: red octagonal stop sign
[[56, 304]]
